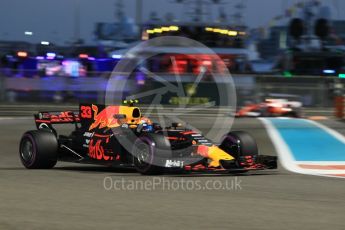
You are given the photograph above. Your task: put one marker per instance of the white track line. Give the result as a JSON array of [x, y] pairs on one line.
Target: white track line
[[285, 155], [16, 118], [330, 131], [330, 163]]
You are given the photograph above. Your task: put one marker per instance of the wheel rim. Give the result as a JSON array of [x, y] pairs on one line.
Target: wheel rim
[[142, 155], [27, 151]]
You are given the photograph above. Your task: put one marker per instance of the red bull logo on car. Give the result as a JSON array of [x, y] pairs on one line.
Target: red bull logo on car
[[105, 118]]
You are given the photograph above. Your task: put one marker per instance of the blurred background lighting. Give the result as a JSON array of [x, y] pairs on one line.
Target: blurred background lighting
[[116, 56], [28, 33], [51, 55], [83, 56], [174, 28], [232, 33], [22, 54], [329, 71]]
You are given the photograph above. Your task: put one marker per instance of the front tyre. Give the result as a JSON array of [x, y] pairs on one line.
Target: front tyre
[[38, 149], [242, 147]]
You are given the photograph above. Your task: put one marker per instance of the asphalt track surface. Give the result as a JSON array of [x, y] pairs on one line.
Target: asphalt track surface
[[73, 196]]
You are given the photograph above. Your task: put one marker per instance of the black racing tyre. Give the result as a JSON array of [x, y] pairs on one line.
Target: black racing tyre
[[292, 114], [145, 154], [239, 144], [264, 112], [38, 149]]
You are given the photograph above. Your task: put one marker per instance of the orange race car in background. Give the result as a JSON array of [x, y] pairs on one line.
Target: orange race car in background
[[271, 108]]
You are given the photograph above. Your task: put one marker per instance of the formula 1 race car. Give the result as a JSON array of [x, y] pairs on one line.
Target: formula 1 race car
[[120, 136], [272, 108]]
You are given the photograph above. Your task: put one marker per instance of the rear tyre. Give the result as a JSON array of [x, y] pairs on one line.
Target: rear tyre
[[145, 157], [38, 149]]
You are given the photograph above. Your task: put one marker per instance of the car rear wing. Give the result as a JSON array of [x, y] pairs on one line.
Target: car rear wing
[[47, 119]]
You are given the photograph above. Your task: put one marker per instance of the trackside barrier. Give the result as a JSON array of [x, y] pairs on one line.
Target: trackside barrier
[[312, 91]]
